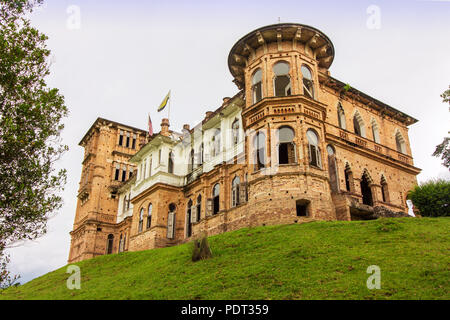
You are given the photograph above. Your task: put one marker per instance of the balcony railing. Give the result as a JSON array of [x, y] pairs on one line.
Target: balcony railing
[[371, 145]]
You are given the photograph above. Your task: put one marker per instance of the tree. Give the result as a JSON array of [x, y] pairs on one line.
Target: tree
[[30, 127], [432, 198], [443, 149]]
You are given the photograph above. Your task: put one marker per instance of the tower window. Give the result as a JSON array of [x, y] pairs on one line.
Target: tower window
[[128, 140], [282, 81], [308, 88], [121, 138], [286, 146], [257, 86], [133, 146], [259, 144], [117, 172], [313, 149]]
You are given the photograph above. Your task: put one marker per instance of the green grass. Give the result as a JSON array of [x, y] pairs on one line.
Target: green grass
[[318, 260]]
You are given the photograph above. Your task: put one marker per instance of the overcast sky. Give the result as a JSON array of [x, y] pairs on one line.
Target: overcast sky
[[118, 59]]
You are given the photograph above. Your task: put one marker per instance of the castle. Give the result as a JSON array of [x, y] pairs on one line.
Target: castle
[[293, 145]]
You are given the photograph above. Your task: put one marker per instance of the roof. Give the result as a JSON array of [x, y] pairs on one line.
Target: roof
[[96, 122], [382, 106]]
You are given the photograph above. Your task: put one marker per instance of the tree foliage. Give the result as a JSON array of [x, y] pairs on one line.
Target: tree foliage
[[31, 116], [432, 198], [443, 149]]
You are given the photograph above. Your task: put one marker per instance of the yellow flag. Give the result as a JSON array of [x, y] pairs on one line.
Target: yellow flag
[[164, 103]]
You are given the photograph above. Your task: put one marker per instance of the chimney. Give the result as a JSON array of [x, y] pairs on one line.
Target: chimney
[[186, 127], [165, 127], [208, 114]]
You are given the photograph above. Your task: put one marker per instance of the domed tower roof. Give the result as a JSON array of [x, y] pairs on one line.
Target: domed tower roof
[[295, 32]]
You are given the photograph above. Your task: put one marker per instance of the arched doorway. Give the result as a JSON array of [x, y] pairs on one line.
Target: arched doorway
[[110, 244], [366, 190]]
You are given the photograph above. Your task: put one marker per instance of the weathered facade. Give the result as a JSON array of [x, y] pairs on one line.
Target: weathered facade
[[293, 145]]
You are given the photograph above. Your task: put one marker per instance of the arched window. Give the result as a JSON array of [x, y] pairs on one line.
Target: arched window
[[366, 190], [314, 149], [141, 220], [149, 216], [384, 189], [216, 199], [332, 169], [235, 192], [110, 244], [349, 178], [341, 117], [400, 142], [375, 131], [121, 243], [282, 81], [308, 88], [259, 144], [171, 162], [286, 146], [191, 161], [216, 144], [358, 125], [257, 86], [235, 132], [189, 214], [199, 207], [171, 221]]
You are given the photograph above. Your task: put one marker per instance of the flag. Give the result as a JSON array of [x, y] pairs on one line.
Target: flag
[[164, 103], [150, 126]]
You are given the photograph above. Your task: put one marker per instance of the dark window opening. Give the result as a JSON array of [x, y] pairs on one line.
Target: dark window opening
[[128, 140], [134, 142], [302, 208], [121, 138], [189, 219], [282, 86], [257, 92], [366, 191], [110, 244], [216, 199], [149, 216], [171, 160]]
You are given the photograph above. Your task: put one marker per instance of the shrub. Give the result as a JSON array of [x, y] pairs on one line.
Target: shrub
[[201, 249], [432, 198]]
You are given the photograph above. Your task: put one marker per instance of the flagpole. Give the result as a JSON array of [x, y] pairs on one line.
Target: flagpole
[[170, 102]]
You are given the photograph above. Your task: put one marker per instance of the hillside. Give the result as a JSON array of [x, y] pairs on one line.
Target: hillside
[[318, 260]]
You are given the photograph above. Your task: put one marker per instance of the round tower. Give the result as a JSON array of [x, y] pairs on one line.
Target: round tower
[[278, 67]]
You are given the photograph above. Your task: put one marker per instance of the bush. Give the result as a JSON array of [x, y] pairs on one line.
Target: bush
[[201, 249], [432, 198]]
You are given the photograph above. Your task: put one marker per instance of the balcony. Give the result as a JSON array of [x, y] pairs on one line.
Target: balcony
[[357, 141]]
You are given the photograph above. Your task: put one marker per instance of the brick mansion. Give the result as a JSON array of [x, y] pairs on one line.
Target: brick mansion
[[293, 145]]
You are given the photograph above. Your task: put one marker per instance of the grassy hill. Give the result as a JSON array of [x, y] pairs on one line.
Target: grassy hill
[[318, 260]]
